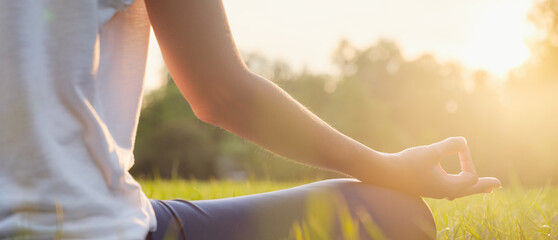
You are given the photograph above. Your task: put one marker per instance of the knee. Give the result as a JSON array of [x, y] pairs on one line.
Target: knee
[[412, 214], [397, 215]]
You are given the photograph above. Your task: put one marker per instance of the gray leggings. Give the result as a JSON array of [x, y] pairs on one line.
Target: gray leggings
[[322, 210]]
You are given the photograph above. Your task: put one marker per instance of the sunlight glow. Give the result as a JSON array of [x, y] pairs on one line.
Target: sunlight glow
[[487, 34], [481, 34], [498, 42], [155, 68]]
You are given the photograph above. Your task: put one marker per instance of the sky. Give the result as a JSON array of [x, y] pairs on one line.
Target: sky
[[481, 34]]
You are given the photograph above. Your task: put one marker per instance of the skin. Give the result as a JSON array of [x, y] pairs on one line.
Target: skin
[[201, 55]]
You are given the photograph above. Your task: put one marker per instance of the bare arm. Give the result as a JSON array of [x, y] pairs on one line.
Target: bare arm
[[200, 53]]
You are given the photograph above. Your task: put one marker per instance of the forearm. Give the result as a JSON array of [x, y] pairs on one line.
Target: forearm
[[258, 110]]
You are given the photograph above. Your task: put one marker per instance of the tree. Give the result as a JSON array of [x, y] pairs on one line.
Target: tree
[[543, 62]]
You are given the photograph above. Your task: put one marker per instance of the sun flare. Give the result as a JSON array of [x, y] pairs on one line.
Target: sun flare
[[498, 43]]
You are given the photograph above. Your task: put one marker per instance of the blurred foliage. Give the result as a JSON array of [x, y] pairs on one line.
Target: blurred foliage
[[386, 102]]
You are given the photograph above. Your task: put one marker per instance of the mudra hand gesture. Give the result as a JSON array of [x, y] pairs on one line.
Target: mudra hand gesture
[[418, 170]]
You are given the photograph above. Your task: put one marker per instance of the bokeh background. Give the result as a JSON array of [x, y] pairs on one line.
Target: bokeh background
[[390, 74]]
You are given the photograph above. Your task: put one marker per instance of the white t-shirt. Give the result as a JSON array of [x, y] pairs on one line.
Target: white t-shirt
[[71, 83]]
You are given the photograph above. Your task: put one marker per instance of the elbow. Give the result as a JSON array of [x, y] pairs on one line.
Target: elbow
[[206, 107], [207, 115], [222, 111], [222, 102], [217, 97]]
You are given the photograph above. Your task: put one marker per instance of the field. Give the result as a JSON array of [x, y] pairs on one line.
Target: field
[[509, 213]]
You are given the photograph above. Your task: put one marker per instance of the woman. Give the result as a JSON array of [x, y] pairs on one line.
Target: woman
[[70, 91]]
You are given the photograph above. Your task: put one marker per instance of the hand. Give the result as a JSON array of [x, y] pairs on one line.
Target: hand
[[417, 170]]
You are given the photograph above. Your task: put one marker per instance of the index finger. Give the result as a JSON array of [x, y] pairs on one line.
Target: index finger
[[466, 161], [455, 145]]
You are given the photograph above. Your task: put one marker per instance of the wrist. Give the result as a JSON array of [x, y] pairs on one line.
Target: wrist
[[373, 167]]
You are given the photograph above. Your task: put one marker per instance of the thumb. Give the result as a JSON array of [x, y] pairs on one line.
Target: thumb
[[461, 181], [484, 185]]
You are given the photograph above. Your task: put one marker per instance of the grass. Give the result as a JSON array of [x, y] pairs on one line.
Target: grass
[[510, 213]]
